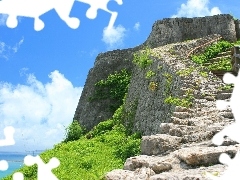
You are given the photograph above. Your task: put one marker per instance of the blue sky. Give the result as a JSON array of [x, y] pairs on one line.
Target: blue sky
[[42, 73]]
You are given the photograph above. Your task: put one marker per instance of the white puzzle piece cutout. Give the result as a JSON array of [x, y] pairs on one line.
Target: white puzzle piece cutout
[[8, 141], [44, 170], [232, 130], [100, 4], [36, 8]]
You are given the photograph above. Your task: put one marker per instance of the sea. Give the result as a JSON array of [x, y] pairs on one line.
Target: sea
[[15, 161]]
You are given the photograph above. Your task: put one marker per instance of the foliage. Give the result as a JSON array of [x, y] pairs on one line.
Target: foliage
[[226, 87], [130, 147], [211, 52], [222, 64], [150, 74], [142, 58], [184, 102], [90, 159], [114, 87], [101, 128], [73, 132], [169, 80], [185, 72], [204, 74]]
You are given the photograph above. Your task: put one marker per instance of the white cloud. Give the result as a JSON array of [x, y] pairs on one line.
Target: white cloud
[[7, 50], [114, 36], [196, 8], [137, 26], [17, 45], [38, 112]]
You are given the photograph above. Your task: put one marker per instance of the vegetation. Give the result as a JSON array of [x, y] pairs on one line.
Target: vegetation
[[73, 132], [101, 150], [113, 87], [185, 72], [212, 52], [184, 102], [150, 74], [142, 58]]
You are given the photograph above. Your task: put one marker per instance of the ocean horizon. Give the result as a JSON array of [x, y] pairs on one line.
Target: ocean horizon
[[15, 161]]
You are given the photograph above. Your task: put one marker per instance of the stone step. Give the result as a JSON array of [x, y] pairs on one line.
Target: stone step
[[228, 115], [226, 91], [185, 163], [219, 58], [159, 144], [224, 96], [224, 53], [157, 164], [181, 115], [196, 156], [178, 130], [198, 136], [192, 174]]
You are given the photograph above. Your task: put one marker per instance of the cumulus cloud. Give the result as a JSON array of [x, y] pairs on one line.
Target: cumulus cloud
[[196, 8], [38, 112], [137, 26], [114, 36]]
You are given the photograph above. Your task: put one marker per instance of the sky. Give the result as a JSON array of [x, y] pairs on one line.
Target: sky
[[42, 73]]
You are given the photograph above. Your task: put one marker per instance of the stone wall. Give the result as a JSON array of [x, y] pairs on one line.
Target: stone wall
[[91, 113], [148, 106], [164, 32], [237, 28], [171, 30]]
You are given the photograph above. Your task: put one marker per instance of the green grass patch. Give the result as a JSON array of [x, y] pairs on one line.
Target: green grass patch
[[90, 158]]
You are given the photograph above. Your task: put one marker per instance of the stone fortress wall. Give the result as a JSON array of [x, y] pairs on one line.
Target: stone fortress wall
[[164, 32]]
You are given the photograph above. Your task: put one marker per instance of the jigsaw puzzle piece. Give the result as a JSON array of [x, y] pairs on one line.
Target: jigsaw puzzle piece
[[26, 8], [230, 130], [63, 8], [100, 4], [44, 170], [36, 8], [8, 133], [8, 141], [3, 165]]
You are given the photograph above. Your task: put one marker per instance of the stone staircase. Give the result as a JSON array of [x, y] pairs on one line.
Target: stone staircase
[[183, 148]]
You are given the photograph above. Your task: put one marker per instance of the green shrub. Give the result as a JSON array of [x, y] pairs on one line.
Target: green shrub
[[101, 128], [130, 147], [73, 132], [211, 52], [142, 58], [113, 87], [150, 74]]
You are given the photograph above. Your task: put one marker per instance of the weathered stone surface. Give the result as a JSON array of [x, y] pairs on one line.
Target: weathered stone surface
[[170, 30], [159, 143], [138, 174], [196, 156], [157, 164], [191, 174]]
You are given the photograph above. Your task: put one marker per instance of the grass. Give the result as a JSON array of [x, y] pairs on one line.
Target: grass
[[90, 158]]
